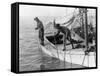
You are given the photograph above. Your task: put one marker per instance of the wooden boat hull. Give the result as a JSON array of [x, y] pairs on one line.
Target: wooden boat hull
[[74, 56]]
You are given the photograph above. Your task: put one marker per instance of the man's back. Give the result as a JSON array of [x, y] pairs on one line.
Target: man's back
[[64, 29], [40, 25]]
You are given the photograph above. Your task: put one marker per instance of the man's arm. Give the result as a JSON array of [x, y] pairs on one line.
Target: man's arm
[[57, 33], [37, 27]]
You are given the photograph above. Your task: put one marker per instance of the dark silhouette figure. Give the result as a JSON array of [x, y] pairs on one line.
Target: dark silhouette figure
[[40, 27], [66, 33]]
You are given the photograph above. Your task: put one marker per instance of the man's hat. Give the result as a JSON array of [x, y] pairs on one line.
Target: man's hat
[[36, 18], [57, 25]]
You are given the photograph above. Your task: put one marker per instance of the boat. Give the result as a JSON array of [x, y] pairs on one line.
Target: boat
[[73, 56]]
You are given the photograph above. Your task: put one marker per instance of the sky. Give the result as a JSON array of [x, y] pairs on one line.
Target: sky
[[30, 10], [33, 11], [61, 14]]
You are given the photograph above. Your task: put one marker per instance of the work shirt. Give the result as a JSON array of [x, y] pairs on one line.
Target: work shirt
[[40, 25], [63, 30]]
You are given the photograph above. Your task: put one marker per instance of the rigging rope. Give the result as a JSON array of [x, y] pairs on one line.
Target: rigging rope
[[64, 59], [70, 58], [56, 47], [56, 42]]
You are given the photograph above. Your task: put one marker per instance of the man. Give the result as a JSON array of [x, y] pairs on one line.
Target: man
[[41, 30], [66, 33]]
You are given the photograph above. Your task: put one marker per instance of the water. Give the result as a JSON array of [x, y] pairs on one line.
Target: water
[[30, 54]]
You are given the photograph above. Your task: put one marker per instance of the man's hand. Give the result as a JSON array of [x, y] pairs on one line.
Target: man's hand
[[55, 33], [36, 28]]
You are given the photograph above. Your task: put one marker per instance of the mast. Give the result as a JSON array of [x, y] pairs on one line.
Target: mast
[[83, 14], [85, 28], [82, 22], [85, 25], [86, 35]]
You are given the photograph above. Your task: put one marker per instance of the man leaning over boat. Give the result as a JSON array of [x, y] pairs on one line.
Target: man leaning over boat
[[66, 33], [40, 27]]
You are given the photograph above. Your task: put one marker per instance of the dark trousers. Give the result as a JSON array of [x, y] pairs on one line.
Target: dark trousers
[[70, 39], [41, 36], [67, 36]]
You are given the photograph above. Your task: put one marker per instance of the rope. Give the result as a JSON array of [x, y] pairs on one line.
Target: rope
[[83, 60], [57, 48], [70, 58], [64, 59], [86, 54]]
